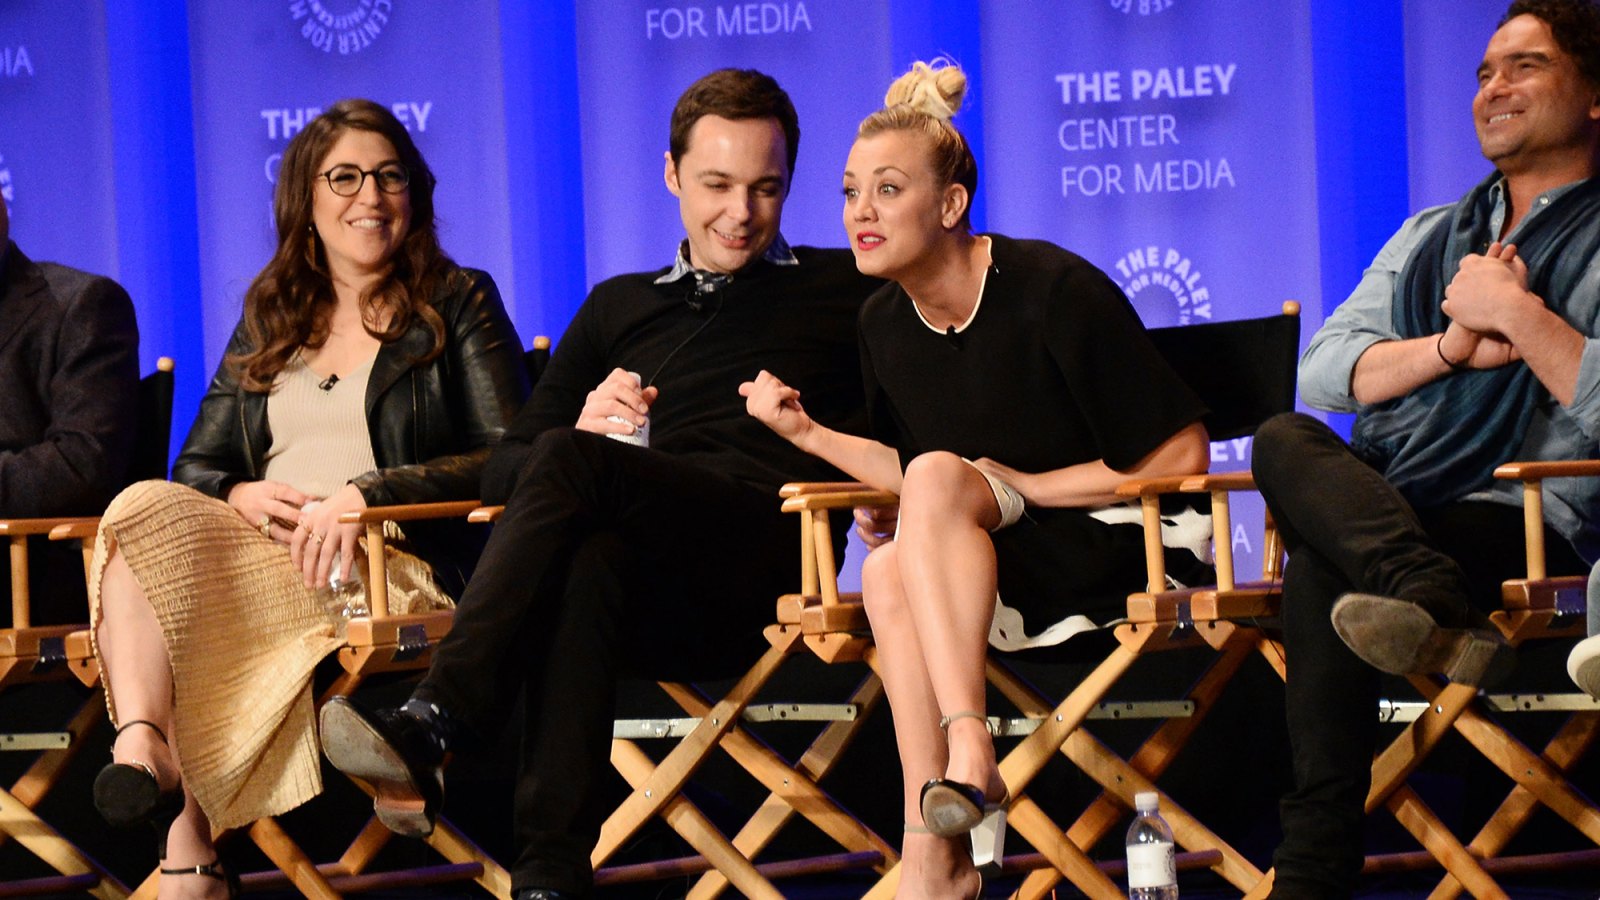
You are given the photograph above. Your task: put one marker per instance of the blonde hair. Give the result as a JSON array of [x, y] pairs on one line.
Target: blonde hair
[[924, 100]]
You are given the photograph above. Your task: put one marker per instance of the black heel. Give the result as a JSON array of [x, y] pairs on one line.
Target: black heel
[[127, 794], [213, 869]]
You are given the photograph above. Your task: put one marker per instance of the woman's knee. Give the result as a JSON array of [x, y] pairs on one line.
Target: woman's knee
[[881, 590], [941, 484]]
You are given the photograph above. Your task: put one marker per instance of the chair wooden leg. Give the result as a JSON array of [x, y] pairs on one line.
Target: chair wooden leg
[[795, 790], [668, 779], [693, 826], [34, 834], [1568, 745], [1441, 844], [1398, 760], [291, 860], [1531, 772], [456, 847]]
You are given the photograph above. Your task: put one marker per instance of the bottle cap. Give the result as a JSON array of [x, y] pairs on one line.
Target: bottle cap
[[1146, 801]]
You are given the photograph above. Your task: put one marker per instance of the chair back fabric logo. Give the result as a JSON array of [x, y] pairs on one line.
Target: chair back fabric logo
[[1164, 286], [349, 26]]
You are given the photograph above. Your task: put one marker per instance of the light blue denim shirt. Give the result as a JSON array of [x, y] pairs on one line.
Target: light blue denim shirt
[[1572, 505]]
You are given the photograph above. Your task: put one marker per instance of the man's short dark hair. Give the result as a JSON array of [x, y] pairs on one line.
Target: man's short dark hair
[[734, 94], [1575, 24]]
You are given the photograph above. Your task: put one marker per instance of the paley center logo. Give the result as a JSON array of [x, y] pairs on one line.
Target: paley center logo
[[350, 26], [1164, 286], [1142, 7]]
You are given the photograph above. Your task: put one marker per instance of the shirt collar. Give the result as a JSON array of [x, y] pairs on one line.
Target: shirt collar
[[778, 253], [1497, 198]]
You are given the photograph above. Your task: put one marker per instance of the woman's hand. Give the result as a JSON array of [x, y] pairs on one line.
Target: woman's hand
[[777, 406], [321, 536], [1021, 482], [619, 395], [875, 525], [271, 503]]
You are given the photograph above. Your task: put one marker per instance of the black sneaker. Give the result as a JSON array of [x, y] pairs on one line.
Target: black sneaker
[[1403, 638], [401, 755]]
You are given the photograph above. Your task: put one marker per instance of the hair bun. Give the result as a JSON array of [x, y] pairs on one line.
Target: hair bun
[[935, 88]]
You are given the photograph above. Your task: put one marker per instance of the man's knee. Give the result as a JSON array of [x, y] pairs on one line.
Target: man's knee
[[1278, 449]]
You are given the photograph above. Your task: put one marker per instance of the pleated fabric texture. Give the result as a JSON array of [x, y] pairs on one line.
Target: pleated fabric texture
[[244, 634]]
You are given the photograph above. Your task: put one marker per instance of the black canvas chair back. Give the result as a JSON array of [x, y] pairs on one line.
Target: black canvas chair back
[[1243, 370], [153, 440]]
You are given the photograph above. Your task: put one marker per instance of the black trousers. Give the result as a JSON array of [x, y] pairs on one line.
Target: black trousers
[[1347, 529], [609, 560]]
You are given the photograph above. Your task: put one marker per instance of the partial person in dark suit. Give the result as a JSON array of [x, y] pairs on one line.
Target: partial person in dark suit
[[69, 366]]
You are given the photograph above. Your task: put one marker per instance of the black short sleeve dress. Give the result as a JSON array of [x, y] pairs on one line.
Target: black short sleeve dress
[[1052, 369]]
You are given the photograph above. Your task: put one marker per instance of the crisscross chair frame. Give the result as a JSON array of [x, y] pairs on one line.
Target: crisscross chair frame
[[31, 654], [723, 724], [834, 626]]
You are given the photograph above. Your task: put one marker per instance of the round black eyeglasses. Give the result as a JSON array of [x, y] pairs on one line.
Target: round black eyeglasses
[[347, 180]]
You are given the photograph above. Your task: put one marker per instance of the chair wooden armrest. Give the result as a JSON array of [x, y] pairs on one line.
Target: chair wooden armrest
[[1218, 481], [1541, 469], [847, 499], [486, 514], [800, 488], [410, 512], [29, 527], [1150, 487], [1532, 475]]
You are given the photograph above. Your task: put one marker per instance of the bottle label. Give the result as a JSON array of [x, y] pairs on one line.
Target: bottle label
[[1152, 865]]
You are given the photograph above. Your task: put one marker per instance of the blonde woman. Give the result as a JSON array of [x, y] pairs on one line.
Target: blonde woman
[[1010, 388]]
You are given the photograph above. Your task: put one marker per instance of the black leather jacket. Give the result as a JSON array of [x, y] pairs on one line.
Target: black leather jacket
[[432, 425]]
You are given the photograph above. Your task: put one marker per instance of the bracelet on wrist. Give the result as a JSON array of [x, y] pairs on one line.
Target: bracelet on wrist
[[1439, 347]]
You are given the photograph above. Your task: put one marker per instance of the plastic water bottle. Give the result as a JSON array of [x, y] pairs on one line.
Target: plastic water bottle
[[1152, 859]]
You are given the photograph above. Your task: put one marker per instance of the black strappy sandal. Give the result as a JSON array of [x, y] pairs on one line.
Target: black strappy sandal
[[213, 869], [128, 794]]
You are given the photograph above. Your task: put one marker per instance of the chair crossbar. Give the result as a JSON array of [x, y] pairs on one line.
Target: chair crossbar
[[645, 729]]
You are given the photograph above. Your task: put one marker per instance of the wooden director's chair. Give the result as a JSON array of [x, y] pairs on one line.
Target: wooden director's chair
[[1538, 606], [1245, 373], [34, 654], [711, 724]]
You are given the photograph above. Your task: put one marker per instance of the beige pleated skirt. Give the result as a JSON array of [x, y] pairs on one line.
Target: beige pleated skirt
[[244, 634]]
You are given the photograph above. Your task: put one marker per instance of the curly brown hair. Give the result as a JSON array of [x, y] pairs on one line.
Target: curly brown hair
[[290, 304], [1575, 24]]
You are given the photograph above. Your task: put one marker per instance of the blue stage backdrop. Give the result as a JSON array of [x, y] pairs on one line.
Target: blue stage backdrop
[[1216, 157], [262, 70], [636, 57], [1444, 44], [56, 171], [1171, 143]]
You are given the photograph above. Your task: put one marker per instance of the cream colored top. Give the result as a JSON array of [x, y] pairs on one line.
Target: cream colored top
[[319, 437]]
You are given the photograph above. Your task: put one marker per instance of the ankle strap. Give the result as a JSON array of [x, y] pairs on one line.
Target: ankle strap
[[944, 723], [211, 869], [146, 722]]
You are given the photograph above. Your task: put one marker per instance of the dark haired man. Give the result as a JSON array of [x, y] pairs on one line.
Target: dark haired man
[[613, 559], [69, 363], [1471, 340]]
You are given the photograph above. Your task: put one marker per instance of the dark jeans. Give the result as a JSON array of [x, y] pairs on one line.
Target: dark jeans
[[1346, 529], [609, 560]]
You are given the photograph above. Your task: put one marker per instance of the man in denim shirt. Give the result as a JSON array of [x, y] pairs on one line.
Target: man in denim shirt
[[1472, 340]]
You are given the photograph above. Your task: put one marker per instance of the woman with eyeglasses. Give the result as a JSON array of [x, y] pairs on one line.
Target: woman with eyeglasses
[[368, 369]]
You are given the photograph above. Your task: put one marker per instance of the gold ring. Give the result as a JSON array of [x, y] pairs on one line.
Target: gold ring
[[265, 527], [318, 538]]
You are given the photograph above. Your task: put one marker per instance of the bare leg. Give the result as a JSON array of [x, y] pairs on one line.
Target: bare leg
[[930, 866], [138, 674], [947, 568]]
